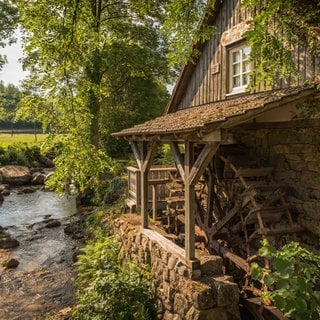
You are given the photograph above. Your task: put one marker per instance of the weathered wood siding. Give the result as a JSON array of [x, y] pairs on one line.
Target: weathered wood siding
[[208, 82]]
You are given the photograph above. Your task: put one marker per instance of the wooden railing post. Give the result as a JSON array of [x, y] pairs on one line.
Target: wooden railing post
[[144, 157]]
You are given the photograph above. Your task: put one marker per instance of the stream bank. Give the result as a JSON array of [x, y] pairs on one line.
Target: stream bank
[[42, 281]]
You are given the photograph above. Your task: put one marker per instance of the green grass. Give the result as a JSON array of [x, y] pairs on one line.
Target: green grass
[[6, 139]]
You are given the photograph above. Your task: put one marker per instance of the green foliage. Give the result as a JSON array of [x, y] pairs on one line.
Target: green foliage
[[8, 24], [164, 155], [294, 280], [21, 154], [9, 100], [137, 102], [79, 163], [95, 67], [278, 27], [181, 28], [110, 289]]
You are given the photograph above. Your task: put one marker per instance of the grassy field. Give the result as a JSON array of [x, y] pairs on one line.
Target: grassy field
[[6, 139]]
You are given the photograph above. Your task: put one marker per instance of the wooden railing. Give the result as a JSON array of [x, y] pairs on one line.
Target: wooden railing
[[157, 192]]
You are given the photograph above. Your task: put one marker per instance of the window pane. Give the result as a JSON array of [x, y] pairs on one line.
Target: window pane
[[245, 79], [245, 53], [236, 82], [245, 66], [236, 69], [235, 56], [239, 69]]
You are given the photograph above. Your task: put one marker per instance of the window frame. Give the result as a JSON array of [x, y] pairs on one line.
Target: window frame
[[242, 87]]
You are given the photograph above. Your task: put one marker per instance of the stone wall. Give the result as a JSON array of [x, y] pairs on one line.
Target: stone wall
[[195, 290], [294, 151]]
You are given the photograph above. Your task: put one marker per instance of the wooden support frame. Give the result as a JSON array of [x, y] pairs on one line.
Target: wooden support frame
[[191, 170], [144, 153], [178, 158]]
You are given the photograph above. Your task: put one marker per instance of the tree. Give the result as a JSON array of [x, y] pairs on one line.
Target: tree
[[183, 27], [9, 100], [8, 24], [85, 56], [101, 65], [277, 27]]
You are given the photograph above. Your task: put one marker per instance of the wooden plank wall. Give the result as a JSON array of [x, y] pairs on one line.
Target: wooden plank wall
[[208, 83]]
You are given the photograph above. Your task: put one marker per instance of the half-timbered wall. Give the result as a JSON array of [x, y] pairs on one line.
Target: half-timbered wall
[[208, 82]]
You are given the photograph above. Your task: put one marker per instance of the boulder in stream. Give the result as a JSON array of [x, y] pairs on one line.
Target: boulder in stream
[[10, 263], [38, 178], [15, 175], [53, 224], [8, 243]]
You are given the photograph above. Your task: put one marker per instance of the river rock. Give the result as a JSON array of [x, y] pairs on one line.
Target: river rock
[[8, 243], [5, 192], [25, 190], [53, 224], [4, 189], [15, 175], [47, 162], [38, 178], [10, 263]]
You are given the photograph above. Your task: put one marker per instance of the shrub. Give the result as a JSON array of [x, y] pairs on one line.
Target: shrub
[[20, 154], [13, 155], [293, 279], [110, 289]]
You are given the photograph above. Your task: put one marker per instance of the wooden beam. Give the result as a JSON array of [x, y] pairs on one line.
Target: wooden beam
[[144, 186], [202, 161], [178, 158], [144, 154], [136, 152], [213, 136], [147, 161], [189, 203]]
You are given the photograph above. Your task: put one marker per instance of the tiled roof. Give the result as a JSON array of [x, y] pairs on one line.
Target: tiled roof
[[199, 117]]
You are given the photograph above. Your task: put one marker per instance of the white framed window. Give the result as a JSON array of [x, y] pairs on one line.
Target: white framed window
[[239, 69]]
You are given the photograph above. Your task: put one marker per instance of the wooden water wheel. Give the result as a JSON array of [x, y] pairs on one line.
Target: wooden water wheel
[[238, 205]]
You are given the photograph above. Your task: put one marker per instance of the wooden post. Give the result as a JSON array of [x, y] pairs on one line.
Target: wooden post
[[144, 198], [154, 202], [189, 203], [144, 159]]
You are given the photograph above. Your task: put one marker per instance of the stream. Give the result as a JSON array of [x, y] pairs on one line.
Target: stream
[[43, 281]]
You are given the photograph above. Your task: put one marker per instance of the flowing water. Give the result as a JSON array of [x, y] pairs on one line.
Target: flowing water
[[43, 282], [25, 209]]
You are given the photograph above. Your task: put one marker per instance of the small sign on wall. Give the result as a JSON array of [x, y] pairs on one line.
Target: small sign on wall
[[215, 68]]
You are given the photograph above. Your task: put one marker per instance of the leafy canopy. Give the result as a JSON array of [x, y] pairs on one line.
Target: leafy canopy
[[97, 66], [278, 27], [8, 24], [90, 60]]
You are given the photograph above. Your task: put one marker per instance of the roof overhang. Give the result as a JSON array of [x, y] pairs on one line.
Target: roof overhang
[[210, 122]]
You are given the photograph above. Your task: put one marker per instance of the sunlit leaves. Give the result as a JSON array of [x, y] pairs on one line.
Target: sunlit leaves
[[278, 27], [293, 279], [85, 56], [182, 28], [8, 24], [111, 288]]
